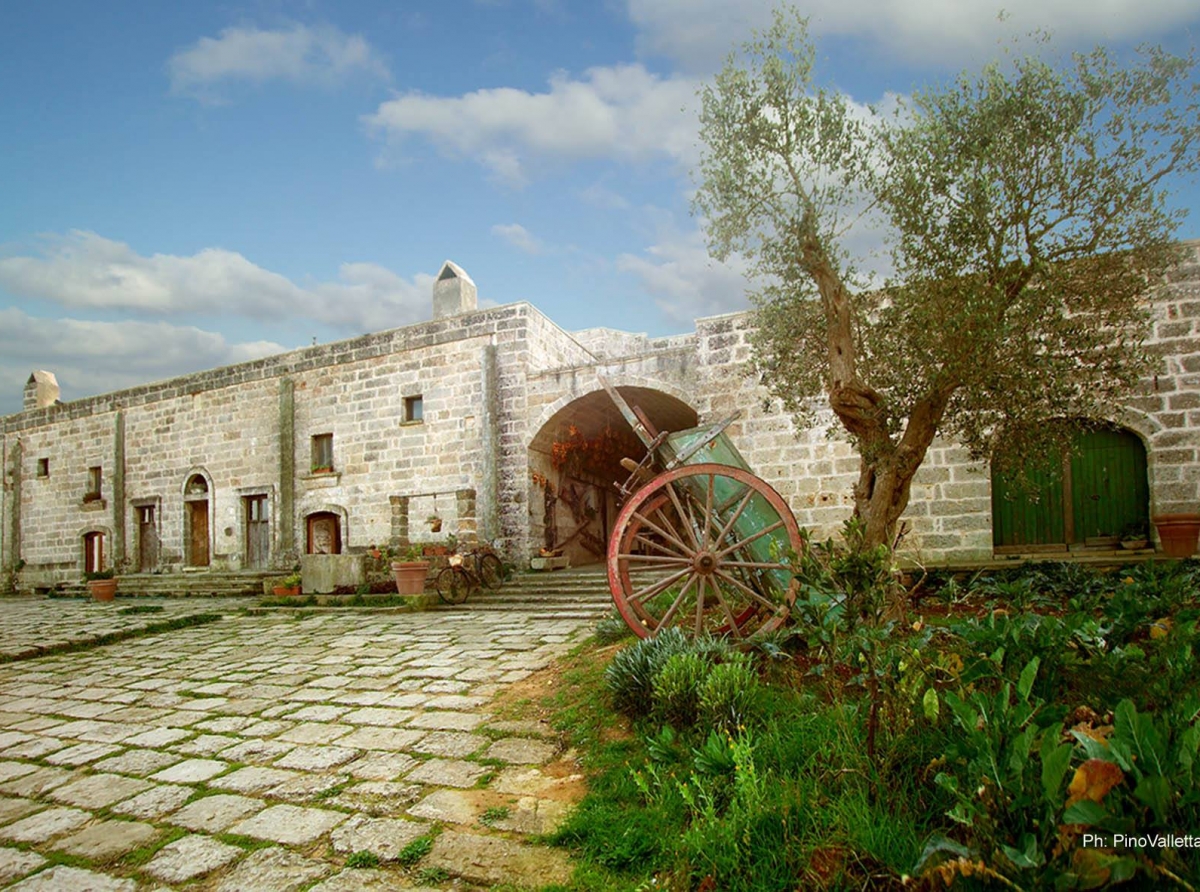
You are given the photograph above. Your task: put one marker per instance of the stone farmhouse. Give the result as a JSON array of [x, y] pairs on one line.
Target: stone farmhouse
[[455, 426]]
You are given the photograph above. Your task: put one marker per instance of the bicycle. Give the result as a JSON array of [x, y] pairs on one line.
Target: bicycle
[[455, 583]]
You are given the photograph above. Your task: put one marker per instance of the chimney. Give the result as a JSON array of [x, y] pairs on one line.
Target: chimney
[[41, 390], [453, 292]]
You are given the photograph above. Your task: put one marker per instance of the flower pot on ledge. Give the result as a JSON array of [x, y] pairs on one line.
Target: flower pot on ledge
[[1179, 534], [410, 576]]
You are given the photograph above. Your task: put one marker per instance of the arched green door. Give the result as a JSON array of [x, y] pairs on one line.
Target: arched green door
[[1101, 489]]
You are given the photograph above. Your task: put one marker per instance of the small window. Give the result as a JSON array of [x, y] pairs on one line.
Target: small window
[[322, 453], [43, 467], [413, 410], [93, 485]]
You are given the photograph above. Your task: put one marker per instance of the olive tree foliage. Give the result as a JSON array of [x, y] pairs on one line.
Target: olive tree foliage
[[1023, 209]]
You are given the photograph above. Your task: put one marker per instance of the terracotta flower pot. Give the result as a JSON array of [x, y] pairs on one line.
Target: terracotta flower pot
[[282, 590], [410, 576], [1179, 534], [102, 589]]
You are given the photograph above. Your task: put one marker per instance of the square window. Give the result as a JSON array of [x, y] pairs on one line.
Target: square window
[[322, 453], [413, 409], [43, 467]]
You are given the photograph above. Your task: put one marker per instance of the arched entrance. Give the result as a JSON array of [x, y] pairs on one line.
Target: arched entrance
[[574, 462], [1100, 491], [324, 533], [196, 527]]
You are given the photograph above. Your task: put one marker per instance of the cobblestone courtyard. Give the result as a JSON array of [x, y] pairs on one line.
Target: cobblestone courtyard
[[260, 752]]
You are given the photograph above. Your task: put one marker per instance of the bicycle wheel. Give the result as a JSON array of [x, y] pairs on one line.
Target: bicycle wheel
[[491, 571], [453, 585]]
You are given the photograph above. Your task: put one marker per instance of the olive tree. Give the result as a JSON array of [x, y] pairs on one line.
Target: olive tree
[[1024, 217]]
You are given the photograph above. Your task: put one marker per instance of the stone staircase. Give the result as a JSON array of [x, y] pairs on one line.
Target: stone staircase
[[202, 584], [577, 593]]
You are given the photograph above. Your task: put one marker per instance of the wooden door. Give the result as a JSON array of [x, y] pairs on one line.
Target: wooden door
[[258, 531], [1101, 489], [147, 539], [93, 552], [198, 533]]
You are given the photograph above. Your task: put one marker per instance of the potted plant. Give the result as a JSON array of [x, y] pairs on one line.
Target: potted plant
[[410, 572], [102, 584], [1135, 536], [434, 522], [289, 585], [1179, 533]]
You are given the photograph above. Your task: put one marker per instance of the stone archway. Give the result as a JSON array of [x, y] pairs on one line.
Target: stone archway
[[197, 518], [574, 464]]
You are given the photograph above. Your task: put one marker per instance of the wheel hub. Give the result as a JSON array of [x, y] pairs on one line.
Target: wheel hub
[[705, 563]]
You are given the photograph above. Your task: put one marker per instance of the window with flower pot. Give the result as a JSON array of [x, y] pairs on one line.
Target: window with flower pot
[[322, 454]]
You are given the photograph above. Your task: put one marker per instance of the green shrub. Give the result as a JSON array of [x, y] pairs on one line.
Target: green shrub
[[630, 675], [677, 688], [727, 696]]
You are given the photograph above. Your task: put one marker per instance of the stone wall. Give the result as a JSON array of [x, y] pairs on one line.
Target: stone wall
[[491, 382]]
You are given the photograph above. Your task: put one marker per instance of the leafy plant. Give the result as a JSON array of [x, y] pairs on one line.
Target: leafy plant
[[677, 688], [630, 675]]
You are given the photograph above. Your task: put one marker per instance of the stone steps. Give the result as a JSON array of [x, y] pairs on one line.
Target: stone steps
[[211, 584], [560, 594]]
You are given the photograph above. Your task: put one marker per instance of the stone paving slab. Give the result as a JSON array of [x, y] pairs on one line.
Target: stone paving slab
[[33, 624], [374, 713]]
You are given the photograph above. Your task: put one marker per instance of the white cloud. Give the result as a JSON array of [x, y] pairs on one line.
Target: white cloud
[[90, 357], [685, 282], [83, 270], [600, 196], [698, 34], [623, 112], [300, 54], [519, 237]]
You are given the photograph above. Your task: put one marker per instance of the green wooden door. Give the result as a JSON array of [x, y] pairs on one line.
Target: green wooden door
[[1105, 491], [1109, 489]]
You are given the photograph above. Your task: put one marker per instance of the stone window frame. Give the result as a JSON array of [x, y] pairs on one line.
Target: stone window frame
[[95, 483], [43, 468], [414, 409], [322, 453]]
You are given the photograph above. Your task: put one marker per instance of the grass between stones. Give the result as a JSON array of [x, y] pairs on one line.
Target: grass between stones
[[66, 647], [142, 856]]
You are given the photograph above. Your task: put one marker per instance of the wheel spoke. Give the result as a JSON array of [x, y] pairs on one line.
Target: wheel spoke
[[708, 512], [757, 535], [655, 559], [660, 586], [737, 512], [657, 546], [674, 540], [734, 628], [685, 517], [675, 605], [754, 565], [772, 606], [700, 605]]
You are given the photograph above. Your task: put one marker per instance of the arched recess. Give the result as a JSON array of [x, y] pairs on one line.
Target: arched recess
[[94, 544], [325, 530], [574, 462], [1098, 492], [198, 497]]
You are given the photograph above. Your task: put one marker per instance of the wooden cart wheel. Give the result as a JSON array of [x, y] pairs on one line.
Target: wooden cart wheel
[[705, 548]]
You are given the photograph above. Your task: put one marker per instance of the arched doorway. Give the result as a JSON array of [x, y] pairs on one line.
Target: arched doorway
[[1099, 491], [574, 462], [196, 527]]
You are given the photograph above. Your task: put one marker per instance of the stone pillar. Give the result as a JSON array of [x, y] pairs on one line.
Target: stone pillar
[[12, 498], [399, 522], [285, 520], [488, 518], [464, 507], [118, 483]]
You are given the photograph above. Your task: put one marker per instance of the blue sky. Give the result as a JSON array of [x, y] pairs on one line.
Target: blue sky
[[185, 185]]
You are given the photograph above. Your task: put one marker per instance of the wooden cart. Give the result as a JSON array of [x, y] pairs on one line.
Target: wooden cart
[[700, 543]]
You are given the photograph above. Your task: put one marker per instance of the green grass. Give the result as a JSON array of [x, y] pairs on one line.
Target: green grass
[[362, 859], [415, 850]]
